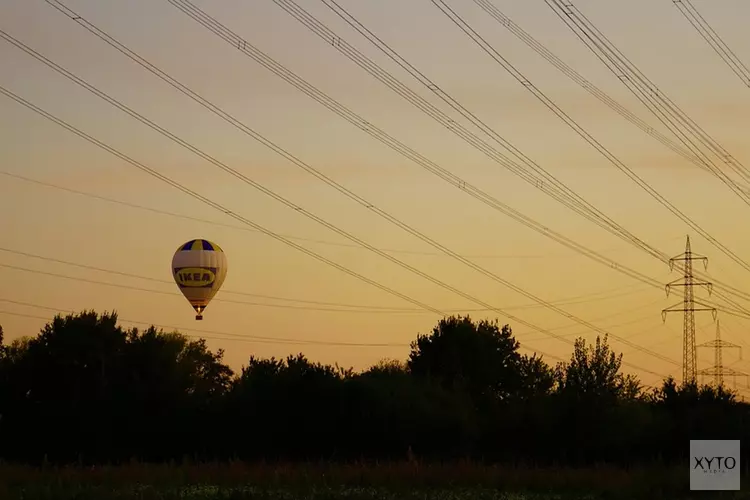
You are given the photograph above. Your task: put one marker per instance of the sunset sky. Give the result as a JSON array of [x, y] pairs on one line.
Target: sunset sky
[[286, 295]]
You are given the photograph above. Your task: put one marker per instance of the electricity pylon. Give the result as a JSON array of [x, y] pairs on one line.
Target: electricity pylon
[[687, 307], [719, 370]]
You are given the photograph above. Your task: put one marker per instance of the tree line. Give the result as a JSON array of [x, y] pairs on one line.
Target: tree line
[[86, 390]]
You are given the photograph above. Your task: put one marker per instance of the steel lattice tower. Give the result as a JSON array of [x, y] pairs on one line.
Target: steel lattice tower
[[687, 307], [719, 370]]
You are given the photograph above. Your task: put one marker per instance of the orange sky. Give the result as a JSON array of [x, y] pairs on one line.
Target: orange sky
[[53, 223]]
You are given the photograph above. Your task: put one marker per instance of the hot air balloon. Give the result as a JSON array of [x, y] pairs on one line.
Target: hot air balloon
[[199, 268]]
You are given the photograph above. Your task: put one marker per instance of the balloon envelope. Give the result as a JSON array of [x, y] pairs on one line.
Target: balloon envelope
[[199, 268]]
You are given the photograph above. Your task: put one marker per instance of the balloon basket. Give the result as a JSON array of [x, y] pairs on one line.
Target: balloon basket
[[198, 317]]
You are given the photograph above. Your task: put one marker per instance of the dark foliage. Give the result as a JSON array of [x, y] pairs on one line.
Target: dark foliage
[[86, 390]]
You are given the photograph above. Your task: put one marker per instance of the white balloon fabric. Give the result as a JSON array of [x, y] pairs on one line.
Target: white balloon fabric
[[199, 268]]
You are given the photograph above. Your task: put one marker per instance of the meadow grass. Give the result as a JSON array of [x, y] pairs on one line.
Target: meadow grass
[[322, 481]]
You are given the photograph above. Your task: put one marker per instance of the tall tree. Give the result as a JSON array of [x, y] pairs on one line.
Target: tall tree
[[479, 357], [537, 377], [593, 373]]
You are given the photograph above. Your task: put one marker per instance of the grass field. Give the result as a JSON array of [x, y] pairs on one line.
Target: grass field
[[405, 481]]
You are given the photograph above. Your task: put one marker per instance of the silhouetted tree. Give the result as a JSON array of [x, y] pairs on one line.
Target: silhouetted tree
[[85, 389], [591, 392], [593, 373], [172, 379], [388, 367], [537, 377], [480, 358], [396, 414], [294, 405], [84, 376], [688, 394]]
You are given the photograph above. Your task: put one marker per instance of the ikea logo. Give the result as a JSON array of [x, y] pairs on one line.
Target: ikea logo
[[194, 276]]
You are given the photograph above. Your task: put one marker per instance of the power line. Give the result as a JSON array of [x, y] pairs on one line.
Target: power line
[[726, 310], [464, 26], [390, 81], [505, 21], [232, 336], [539, 48], [696, 19], [161, 292], [560, 192], [241, 337], [333, 184], [219, 207], [305, 87], [738, 311], [291, 237], [235, 336], [237, 174], [267, 62], [307, 19], [666, 111], [258, 56], [577, 299], [207, 201], [614, 325], [651, 97], [283, 306], [218, 299], [528, 85], [321, 30]]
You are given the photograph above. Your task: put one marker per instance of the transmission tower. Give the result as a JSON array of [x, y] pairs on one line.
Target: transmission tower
[[719, 370], [687, 307]]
